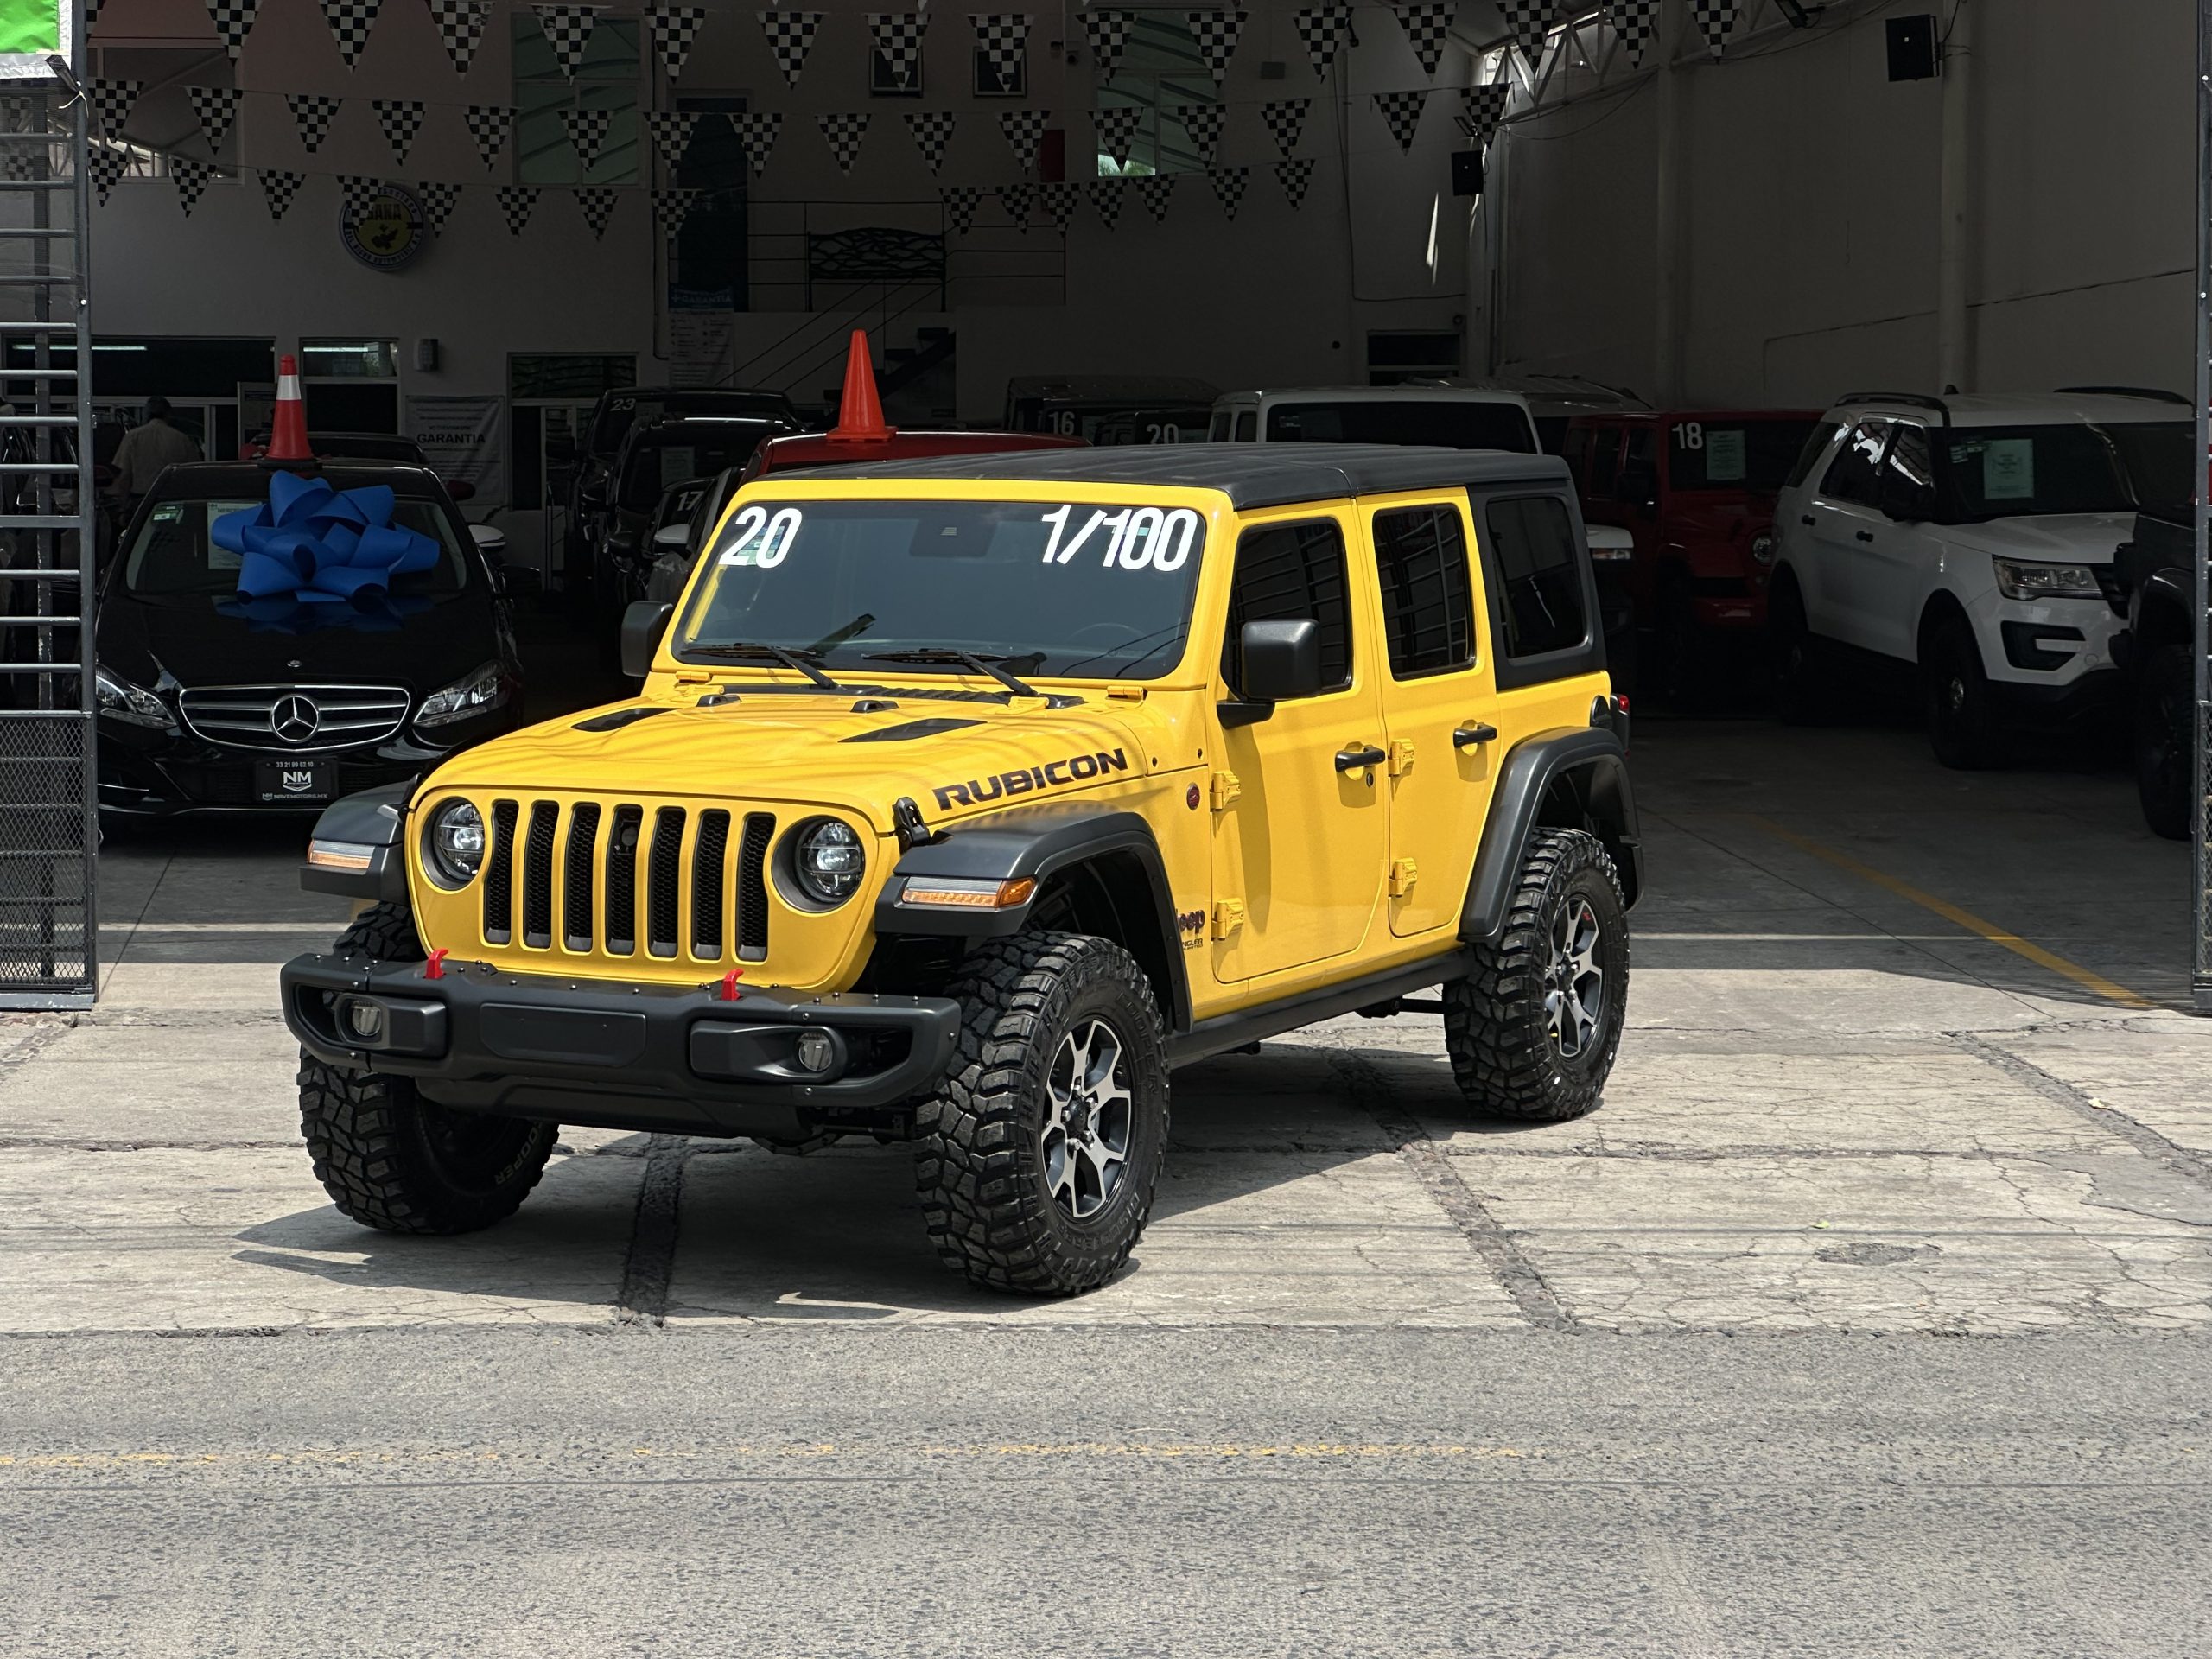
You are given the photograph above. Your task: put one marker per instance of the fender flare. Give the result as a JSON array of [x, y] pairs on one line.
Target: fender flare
[[374, 820], [2164, 589], [1591, 763], [1040, 842]]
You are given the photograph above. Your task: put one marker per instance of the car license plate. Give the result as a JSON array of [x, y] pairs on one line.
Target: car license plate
[[276, 781]]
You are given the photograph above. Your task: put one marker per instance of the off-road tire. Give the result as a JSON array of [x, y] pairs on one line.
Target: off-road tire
[[392, 1160], [980, 1158], [1798, 666], [1954, 691], [1497, 1028], [2166, 717]]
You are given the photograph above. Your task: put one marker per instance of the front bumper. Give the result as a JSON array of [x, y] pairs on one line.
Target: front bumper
[[678, 1059]]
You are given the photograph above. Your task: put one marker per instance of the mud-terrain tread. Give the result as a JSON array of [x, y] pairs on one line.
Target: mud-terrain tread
[[1488, 1015], [985, 1212], [384, 930]]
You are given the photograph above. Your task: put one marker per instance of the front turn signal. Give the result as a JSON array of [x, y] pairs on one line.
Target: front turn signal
[[951, 894]]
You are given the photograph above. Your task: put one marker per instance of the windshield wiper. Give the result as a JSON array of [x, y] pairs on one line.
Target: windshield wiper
[[793, 657], [967, 659], [852, 630]]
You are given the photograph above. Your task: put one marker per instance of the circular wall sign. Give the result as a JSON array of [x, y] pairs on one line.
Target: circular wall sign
[[385, 228]]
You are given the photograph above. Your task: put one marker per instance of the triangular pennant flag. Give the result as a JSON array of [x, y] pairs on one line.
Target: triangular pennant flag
[[489, 125], [1228, 184], [671, 208], [355, 193], [460, 30], [111, 102], [191, 178], [1024, 129], [232, 19], [401, 120], [845, 133], [1116, 126], [1636, 22], [790, 37], [1403, 111], [438, 200], [1716, 21], [1153, 189], [1483, 106], [672, 130], [598, 204], [1286, 119], [898, 42], [92, 14], [1294, 177], [1529, 22], [277, 189], [350, 22], [1015, 198], [586, 132], [516, 201], [1058, 201], [1003, 39], [1324, 30], [756, 130], [1426, 23], [675, 28], [1106, 197], [108, 164], [960, 203], [215, 108], [568, 30], [933, 130], [1204, 122], [1216, 35], [313, 113], [1108, 33]]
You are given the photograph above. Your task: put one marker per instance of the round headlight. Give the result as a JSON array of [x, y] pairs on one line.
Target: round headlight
[[456, 843], [828, 859]]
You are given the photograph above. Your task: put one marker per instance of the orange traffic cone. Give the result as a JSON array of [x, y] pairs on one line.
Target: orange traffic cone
[[860, 413], [288, 429]]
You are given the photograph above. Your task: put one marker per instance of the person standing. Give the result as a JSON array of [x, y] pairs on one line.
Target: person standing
[[145, 451]]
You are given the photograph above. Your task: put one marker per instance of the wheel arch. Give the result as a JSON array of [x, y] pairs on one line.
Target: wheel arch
[[1939, 609], [2162, 611], [1575, 777]]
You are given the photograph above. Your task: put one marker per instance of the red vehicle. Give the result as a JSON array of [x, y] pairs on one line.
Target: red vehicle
[[1696, 487]]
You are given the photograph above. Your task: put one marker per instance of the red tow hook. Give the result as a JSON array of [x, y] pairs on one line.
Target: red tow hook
[[435, 967], [730, 984]]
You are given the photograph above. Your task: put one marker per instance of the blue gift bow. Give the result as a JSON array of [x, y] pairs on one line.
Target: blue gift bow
[[313, 544]]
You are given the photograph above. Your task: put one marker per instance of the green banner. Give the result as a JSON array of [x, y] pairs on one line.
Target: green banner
[[30, 26]]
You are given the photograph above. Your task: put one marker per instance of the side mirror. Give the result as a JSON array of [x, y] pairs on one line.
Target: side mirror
[[643, 624], [490, 539], [673, 538], [1281, 661]]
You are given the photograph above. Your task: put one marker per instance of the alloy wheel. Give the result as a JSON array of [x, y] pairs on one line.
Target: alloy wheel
[[1089, 1118], [1574, 983]]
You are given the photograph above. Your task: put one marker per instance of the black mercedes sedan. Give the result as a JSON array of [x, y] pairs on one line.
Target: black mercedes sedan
[[215, 694]]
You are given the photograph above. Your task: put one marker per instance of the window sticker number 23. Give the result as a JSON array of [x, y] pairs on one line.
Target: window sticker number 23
[[760, 540], [1137, 539]]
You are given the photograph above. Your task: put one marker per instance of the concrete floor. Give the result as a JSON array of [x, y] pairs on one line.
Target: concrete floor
[[1904, 1063]]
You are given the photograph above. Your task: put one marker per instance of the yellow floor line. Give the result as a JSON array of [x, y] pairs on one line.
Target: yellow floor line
[[2087, 981]]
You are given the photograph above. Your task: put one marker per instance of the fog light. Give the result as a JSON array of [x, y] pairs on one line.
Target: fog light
[[816, 1050], [365, 1020]]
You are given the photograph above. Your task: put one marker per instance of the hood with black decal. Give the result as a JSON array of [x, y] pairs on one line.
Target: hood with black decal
[[191, 640]]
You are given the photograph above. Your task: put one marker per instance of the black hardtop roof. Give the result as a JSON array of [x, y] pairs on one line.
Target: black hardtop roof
[[213, 479], [1249, 474]]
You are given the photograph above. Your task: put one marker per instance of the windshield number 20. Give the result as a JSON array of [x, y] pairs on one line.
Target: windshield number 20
[[1139, 537], [762, 540]]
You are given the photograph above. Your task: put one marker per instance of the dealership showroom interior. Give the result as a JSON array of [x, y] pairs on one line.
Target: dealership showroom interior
[[580, 1073]]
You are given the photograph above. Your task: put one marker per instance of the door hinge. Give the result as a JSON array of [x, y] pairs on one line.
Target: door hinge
[[1403, 875], [1401, 756], [1227, 917], [1225, 789]]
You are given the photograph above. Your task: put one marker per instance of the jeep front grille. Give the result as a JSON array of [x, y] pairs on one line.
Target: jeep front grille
[[297, 718], [635, 870]]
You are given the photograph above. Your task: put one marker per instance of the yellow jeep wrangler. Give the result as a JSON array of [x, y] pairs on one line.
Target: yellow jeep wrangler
[[966, 799]]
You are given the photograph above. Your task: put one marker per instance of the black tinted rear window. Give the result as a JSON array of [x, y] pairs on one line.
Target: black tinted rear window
[[1453, 424]]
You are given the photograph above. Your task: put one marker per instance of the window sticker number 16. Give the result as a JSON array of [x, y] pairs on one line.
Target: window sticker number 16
[[1138, 538], [761, 541]]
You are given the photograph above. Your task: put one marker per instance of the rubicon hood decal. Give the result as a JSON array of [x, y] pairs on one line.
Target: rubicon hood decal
[[1077, 768]]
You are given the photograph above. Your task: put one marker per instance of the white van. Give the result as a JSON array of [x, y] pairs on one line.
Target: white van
[[1453, 417]]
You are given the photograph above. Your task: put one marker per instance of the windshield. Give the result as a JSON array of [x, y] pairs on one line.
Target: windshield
[[173, 555], [1753, 457], [659, 461], [1454, 423], [1054, 588], [2158, 456], [2003, 471]]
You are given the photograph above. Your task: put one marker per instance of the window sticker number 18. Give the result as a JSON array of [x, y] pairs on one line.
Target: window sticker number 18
[[760, 540], [1138, 538]]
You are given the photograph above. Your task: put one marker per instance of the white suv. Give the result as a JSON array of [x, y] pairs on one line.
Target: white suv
[[1971, 537], [1454, 417]]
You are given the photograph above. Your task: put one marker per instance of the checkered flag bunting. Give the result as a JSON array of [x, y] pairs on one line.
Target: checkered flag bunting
[[1529, 22], [355, 193], [215, 108], [586, 132], [350, 22], [313, 112], [1295, 175], [671, 208], [1003, 39], [1153, 190], [1024, 129], [598, 204], [1484, 106], [1286, 119], [191, 178], [933, 130], [1324, 30], [1016, 198], [568, 30], [1215, 33], [439, 199], [1636, 22], [1228, 184], [112, 103], [961, 201], [401, 120], [1116, 127], [1716, 21], [1058, 201], [1106, 198], [1403, 111], [489, 125], [1108, 33], [460, 30], [756, 130], [1425, 25], [843, 133], [790, 37], [1204, 122], [108, 164], [675, 28], [92, 15], [232, 19], [671, 131], [516, 201], [898, 42], [277, 189]]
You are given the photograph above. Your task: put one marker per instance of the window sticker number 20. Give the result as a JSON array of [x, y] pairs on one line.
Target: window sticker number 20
[[1137, 539], [760, 540]]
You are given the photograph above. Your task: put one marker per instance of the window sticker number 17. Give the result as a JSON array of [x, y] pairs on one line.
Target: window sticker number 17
[[760, 540], [1138, 537]]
